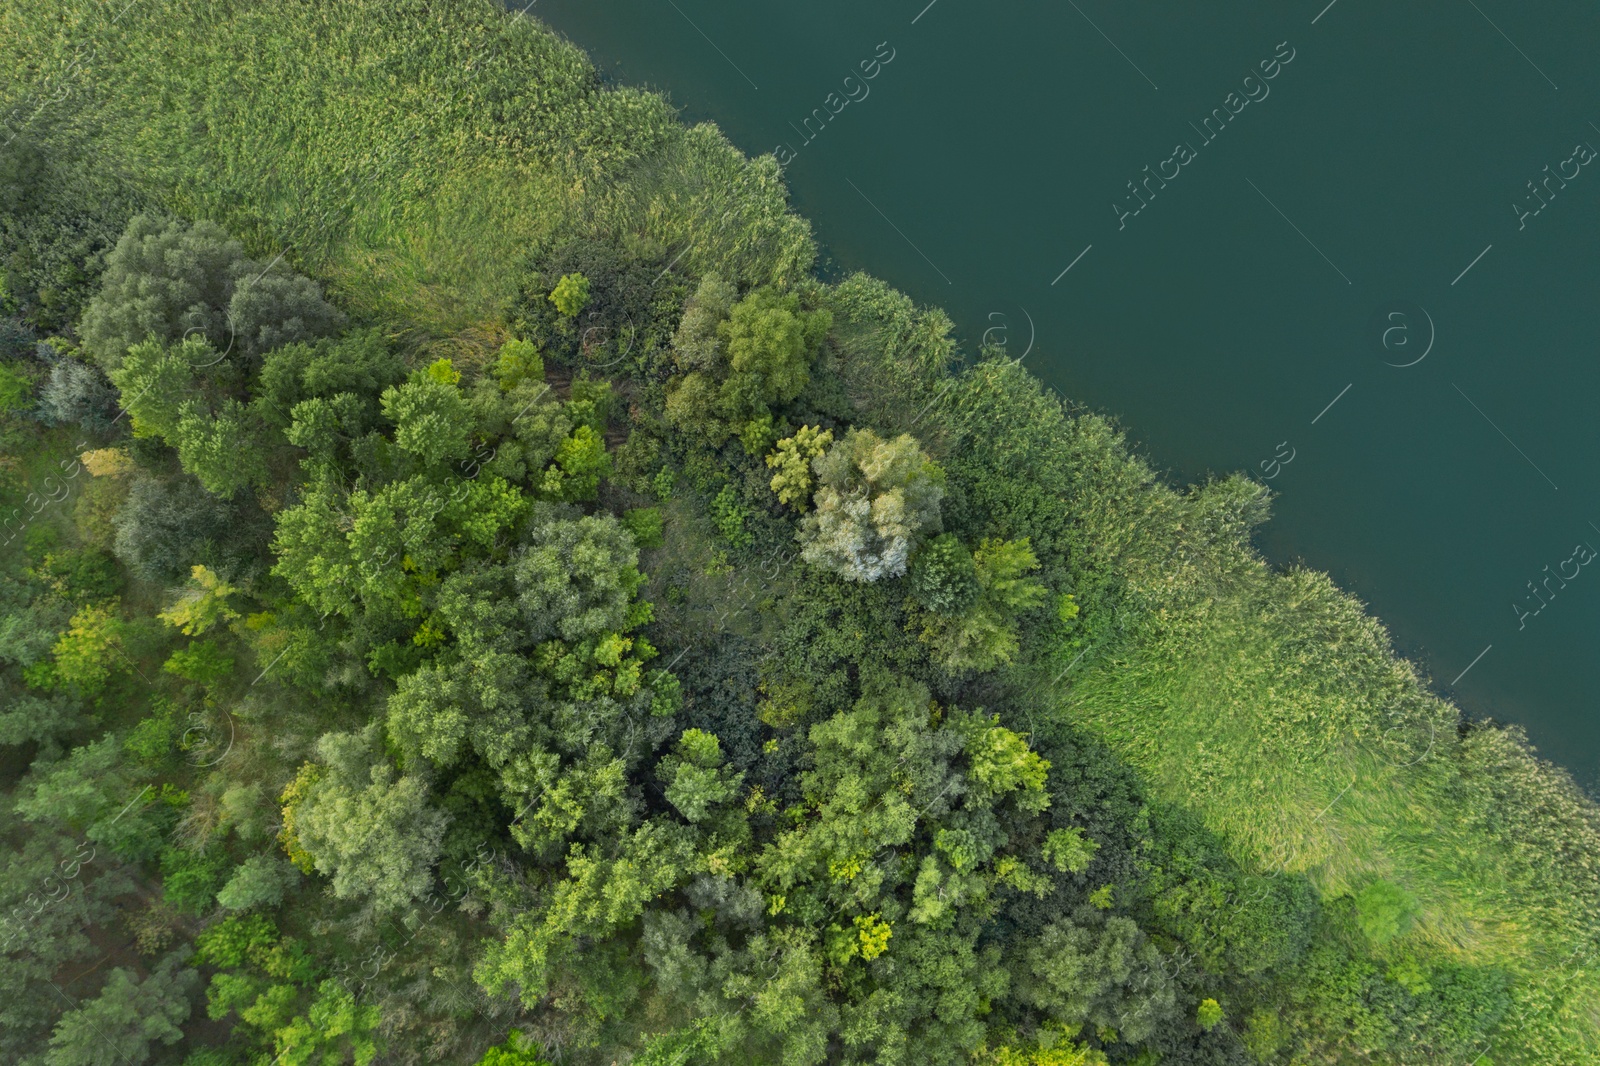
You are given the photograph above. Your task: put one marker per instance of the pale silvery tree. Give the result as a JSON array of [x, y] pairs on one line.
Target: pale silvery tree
[[875, 499]]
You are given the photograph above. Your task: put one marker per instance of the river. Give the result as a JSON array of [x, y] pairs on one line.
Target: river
[[1347, 248]]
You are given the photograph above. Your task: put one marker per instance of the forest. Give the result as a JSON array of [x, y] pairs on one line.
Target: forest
[[476, 591]]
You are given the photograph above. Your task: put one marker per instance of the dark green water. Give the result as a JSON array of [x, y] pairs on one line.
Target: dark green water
[[1270, 259]]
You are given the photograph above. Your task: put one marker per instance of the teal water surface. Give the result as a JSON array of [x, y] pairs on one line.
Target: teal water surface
[[1348, 248]]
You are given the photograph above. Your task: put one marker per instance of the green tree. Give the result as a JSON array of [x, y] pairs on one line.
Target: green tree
[[163, 280], [202, 661], [349, 372], [257, 882], [167, 524], [44, 719], [157, 380], [792, 460], [696, 780], [696, 346], [125, 1019], [576, 578], [175, 392], [78, 394], [202, 604], [1068, 850], [170, 280], [225, 451], [581, 462], [982, 634], [770, 343], [371, 830], [430, 414], [571, 294], [518, 361], [1103, 973], [646, 526], [740, 359], [944, 577], [89, 652], [517, 1050]]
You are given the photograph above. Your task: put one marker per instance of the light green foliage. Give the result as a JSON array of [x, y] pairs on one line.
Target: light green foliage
[[518, 361], [605, 888], [202, 604], [757, 435], [190, 878], [1385, 910], [202, 661], [245, 809], [16, 391], [769, 342], [257, 882], [1062, 1052], [156, 381], [646, 525], [1265, 1034], [581, 462], [691, 408], [125, 1019], [661, 484], [791, 460], [89, 652], [874, 501], [1002, 761], [1251, 697], [334, 1029], [371, 830], [571, 294], [1208, 1015], [1000, 565], [1069, 850], [179, 394], [696, 781], [223, 450], [729, 516], [235, 940], [430, 414], [518, 1050]]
